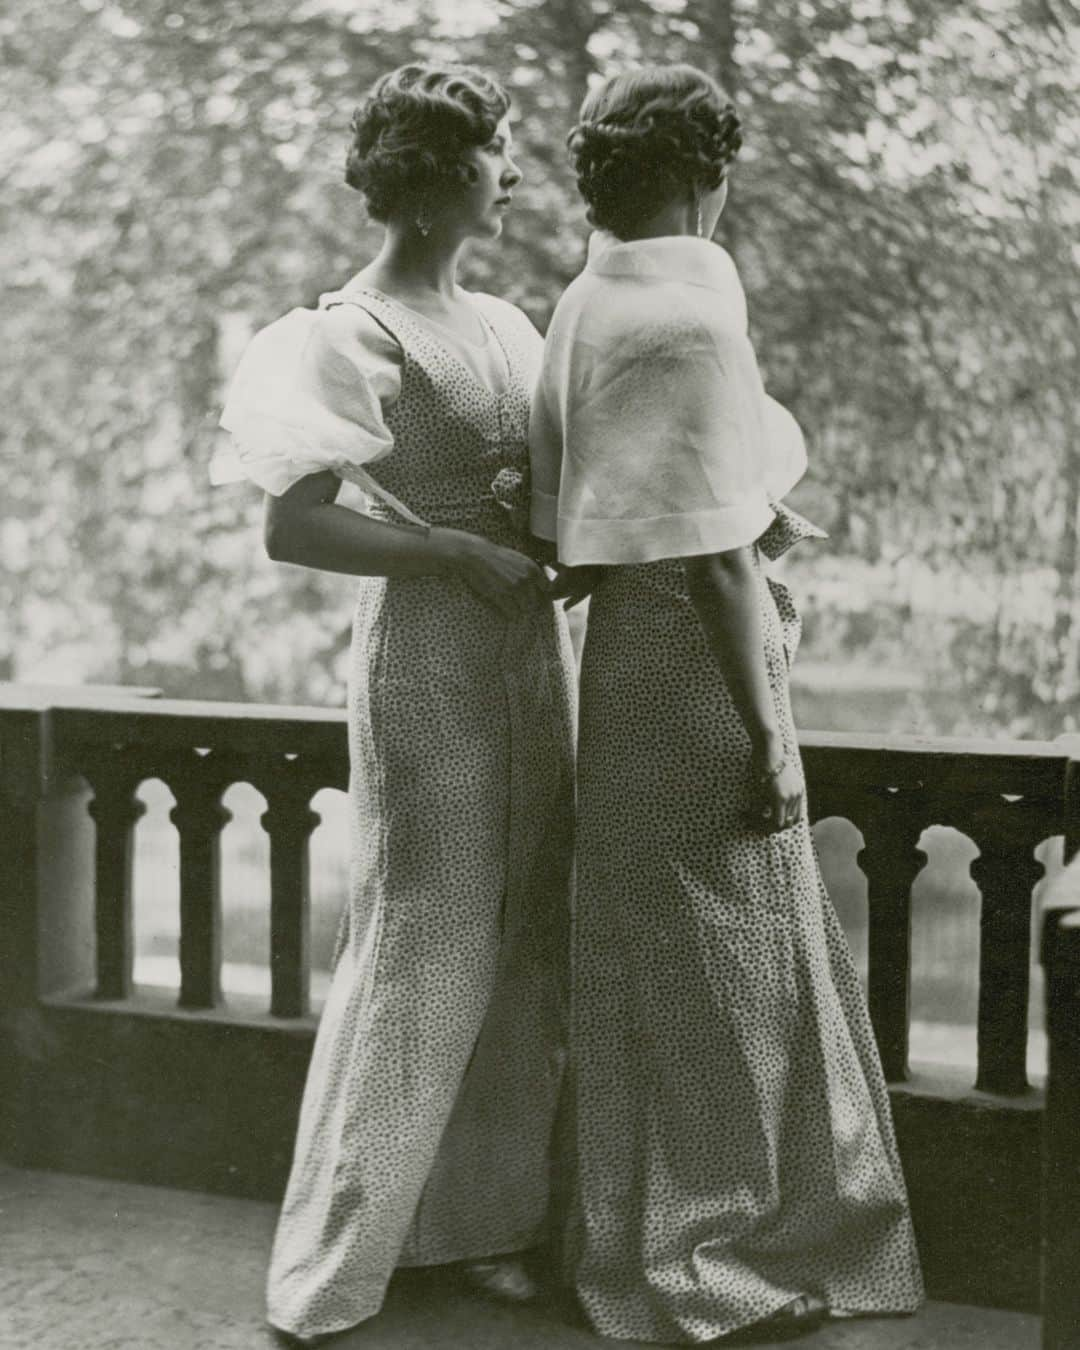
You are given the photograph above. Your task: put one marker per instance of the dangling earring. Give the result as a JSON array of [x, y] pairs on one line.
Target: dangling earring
[[700, 223], [423, 221]]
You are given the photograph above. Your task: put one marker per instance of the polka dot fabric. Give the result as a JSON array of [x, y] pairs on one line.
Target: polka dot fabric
[[734, 1141], [425, 1129]]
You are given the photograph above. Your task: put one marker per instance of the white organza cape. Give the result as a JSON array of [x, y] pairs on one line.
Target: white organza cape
[[652, 435]]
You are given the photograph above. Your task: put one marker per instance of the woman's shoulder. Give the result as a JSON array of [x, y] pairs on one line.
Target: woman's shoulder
[[723, 259], [498, 310], [344, 325], [496, 304], [622, 313]]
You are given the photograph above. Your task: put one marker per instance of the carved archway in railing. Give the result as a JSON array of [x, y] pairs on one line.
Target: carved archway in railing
[[245, 899], [155, 898], [1006, 828], [839, 844]]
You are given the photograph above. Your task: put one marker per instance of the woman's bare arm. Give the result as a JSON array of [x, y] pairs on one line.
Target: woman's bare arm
[[724, 591], [306, 526]]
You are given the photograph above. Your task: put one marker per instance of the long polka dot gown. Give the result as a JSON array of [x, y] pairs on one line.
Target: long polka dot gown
[[734, 1140], [425, 1130]]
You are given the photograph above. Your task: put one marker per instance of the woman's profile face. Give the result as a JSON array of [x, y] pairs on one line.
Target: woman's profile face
[[479, 212]]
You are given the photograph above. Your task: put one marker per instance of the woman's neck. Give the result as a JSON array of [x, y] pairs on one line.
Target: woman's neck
[[410, 263], [676, 218]]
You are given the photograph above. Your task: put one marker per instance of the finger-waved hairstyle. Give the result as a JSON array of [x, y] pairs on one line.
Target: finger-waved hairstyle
[[648, 136], [410, 134]]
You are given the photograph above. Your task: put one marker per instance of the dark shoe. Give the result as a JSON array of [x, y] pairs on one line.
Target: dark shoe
[[797, 1318], [506, 1279]]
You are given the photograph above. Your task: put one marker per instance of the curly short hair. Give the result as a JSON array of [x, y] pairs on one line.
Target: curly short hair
[[645, 136], [410, 134]]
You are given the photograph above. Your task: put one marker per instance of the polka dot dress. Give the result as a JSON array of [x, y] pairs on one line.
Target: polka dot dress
[[425, 1130], [733, 1134]]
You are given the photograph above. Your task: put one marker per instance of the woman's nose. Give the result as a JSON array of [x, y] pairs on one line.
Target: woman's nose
[[512, 177]]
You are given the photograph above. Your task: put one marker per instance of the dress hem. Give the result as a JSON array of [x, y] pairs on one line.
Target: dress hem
[[314, 1338], [848, 1312]]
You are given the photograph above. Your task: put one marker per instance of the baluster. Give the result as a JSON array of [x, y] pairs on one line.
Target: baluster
[[1061, 1122], [1072, 802], [1005, 872], [199, 817], [891, 859], [289, 821], [115, 811]]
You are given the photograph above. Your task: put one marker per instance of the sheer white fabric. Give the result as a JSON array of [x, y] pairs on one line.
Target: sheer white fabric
[[309, 395], [312, 391], [652, 435]]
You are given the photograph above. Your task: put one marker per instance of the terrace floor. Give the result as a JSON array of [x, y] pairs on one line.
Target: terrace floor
[[87, 1264]]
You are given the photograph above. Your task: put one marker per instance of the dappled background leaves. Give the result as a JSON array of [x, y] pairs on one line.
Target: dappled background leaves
[[904, 214]]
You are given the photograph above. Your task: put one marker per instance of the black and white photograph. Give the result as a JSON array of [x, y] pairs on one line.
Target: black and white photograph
[[540, 674]]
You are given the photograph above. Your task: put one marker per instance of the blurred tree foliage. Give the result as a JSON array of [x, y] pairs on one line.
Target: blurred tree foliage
[[904, 213]]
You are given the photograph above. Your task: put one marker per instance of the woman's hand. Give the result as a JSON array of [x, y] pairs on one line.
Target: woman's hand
[[509, 581], [573, 584], [777, 801], [724, 589]]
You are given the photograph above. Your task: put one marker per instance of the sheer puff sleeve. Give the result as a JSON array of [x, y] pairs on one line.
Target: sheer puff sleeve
[[310, 395], [652, 433]]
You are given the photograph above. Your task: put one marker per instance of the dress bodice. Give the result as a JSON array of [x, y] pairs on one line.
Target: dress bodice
[[460, 448]]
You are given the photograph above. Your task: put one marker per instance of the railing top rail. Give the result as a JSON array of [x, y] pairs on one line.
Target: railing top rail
[[168, 724], [39, 697], [194, 710], [979, 747], [179, 724], [86, 716], [948, 765]]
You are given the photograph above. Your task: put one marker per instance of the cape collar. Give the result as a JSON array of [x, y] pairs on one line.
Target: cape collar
[[669, 257]]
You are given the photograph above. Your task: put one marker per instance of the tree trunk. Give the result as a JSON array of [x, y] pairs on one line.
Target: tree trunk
[[1065, 636], [716, 21]]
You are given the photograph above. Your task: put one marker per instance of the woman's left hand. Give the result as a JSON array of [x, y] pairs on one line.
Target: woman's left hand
[[573, 584], [778, 799]]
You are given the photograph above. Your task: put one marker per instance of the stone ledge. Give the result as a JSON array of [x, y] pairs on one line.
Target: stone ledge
[[106, 1265]]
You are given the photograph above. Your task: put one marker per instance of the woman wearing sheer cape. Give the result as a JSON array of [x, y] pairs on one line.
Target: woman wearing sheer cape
[[736, 1162]]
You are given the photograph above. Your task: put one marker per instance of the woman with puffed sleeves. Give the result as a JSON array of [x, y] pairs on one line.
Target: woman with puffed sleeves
[[737, 1171], [388, 428]]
